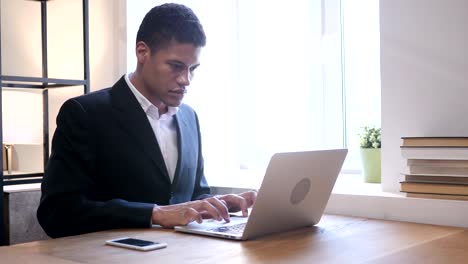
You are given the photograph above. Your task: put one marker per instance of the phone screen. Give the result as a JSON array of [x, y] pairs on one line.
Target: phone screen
[[136, 242]]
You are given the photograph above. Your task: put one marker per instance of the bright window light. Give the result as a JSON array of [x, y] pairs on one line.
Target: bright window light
[[270, 80]]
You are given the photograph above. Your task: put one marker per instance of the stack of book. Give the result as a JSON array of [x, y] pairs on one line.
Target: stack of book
[[437, 167]]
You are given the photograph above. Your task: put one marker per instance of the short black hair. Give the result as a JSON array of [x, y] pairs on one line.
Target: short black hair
[[168, 22]]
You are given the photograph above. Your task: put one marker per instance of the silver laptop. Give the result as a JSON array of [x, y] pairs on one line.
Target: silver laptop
[[293, 194]]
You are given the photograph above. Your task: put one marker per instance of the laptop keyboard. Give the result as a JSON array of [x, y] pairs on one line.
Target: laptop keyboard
[[235, 229]]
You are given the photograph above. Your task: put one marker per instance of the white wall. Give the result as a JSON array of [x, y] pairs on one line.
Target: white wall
[[20, 21], [424, 67], [107, 42]]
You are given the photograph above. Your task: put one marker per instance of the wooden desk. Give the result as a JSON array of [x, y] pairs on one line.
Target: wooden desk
[[336, 239]]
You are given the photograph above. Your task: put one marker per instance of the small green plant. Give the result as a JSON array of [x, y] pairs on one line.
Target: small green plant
[[370, 138]]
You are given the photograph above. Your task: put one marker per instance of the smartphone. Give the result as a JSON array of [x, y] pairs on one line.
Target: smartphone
[[134, 243]]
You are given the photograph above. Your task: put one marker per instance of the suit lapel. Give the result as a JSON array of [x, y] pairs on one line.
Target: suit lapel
[[181, 140], [132, 118]]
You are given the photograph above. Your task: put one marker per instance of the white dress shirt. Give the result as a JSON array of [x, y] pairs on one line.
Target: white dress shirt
[[164, 128]]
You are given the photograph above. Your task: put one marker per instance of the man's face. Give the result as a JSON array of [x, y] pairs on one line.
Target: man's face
[[167, 72]]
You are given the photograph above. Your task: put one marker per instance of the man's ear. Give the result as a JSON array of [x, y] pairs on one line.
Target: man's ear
[[143, 52]]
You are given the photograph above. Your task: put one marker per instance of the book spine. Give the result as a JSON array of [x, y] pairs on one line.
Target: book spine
[[435, 153], [434, 188], [438, 170], [435, 142], [438, 163], [435, 179], [437, 196]]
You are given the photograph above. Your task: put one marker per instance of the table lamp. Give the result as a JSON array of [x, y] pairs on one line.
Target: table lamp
[[22, 115]]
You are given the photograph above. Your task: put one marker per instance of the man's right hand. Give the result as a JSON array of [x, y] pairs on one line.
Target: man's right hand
[[169, 216]]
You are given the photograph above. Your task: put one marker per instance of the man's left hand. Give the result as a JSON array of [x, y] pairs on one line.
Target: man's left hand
[[239, 202]]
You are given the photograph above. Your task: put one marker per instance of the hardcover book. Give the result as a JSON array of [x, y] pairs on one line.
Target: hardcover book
[[435, 141], [444, 153], [446, 179], [437, 196], [435, 188], [438, 163], [432, 170]]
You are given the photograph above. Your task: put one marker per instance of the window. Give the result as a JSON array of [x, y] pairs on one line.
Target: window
[[361, 68], [271, 80]]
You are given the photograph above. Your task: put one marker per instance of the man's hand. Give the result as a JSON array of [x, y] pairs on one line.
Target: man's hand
[[239, 202], [182, 214]]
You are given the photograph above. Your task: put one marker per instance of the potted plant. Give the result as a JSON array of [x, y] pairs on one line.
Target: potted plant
[[370, 144]]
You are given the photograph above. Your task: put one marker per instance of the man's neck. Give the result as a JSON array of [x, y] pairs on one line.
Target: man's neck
[[162, 108]]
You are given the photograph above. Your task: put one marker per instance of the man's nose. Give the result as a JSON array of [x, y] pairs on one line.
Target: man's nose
[[184, 78]]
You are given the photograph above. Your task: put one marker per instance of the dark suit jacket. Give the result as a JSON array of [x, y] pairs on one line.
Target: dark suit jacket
[[106, 170]]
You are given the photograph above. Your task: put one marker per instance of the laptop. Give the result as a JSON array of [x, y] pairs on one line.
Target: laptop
[[294, 192]]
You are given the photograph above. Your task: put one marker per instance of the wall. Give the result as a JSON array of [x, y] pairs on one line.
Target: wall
[[424, 68], [107, 37], [21, 51]]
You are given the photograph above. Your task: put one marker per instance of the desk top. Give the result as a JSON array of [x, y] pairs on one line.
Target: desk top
[[336, 239]]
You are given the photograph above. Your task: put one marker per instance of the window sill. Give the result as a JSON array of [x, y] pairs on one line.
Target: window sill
[[352, 197], [353, 184]]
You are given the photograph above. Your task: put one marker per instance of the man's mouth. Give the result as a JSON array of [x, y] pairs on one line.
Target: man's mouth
[[179, 91]]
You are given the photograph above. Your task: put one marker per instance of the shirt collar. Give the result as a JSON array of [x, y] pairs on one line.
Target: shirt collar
[[144, 102]]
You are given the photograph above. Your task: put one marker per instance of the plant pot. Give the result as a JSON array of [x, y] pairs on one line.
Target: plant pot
[[370, 158]]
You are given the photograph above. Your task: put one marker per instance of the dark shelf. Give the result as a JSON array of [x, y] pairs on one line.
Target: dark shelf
[[22, 178], [37, 82], [22, 175], [45, 83]]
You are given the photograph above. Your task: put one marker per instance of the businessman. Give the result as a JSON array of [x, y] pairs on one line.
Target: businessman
[[130, 155]]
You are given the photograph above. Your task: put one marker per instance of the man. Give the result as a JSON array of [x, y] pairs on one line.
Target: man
[[130, 155]]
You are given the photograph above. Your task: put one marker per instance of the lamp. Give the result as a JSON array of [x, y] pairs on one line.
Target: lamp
[[22, 120]]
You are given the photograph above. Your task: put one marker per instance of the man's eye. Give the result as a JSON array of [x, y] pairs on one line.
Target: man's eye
[[193, 69], [177, 67]]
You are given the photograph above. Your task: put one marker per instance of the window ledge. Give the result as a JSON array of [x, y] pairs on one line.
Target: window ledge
[[353, 184], [351, 196]]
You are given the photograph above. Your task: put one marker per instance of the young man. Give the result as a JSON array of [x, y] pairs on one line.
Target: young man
[[130, 155]]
